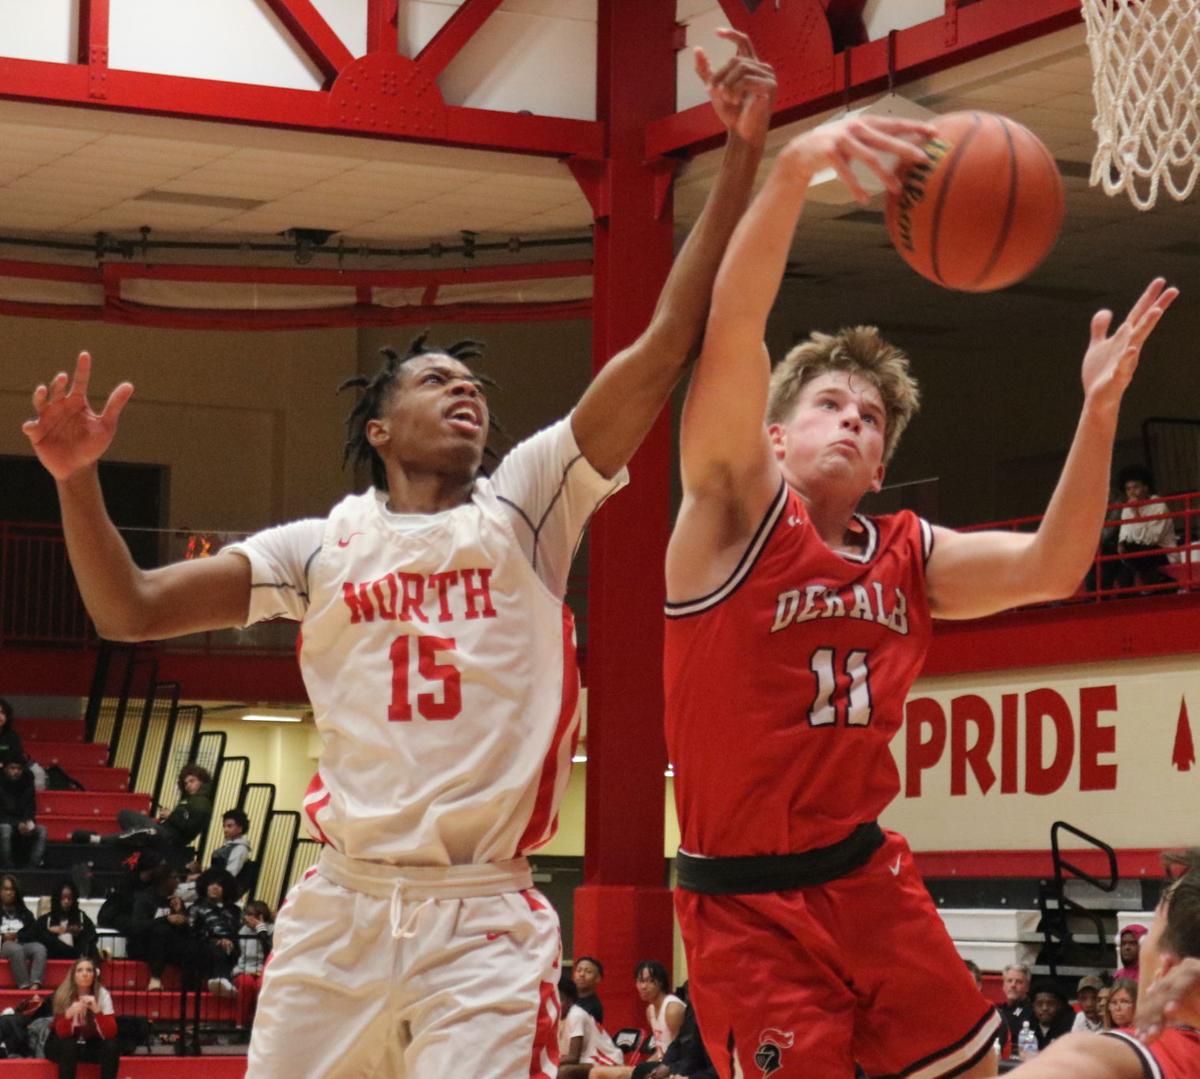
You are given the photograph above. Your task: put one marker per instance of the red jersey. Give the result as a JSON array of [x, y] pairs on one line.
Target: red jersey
[[1176, 1054], [785, 685]]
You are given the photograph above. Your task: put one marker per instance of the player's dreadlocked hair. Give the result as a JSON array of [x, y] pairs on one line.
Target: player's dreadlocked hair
[[376, 389]]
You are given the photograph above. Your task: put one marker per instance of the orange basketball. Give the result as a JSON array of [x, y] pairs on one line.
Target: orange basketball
[[984, 210]]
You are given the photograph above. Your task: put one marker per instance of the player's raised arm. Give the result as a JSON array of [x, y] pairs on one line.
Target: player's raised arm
[[125, 602], [975, 574], [621, 404], [1085, 1056]]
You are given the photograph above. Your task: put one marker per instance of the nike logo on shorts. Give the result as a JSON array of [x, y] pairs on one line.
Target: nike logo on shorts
[[896, 868], [346, 542]]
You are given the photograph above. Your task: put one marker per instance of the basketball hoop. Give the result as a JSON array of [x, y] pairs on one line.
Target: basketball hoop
[[1146, 70]]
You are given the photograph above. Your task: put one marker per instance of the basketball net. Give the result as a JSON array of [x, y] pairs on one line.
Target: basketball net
[[1146, 69]]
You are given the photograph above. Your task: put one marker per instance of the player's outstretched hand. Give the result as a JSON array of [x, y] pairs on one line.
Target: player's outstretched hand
[[1110, 361], [742, 90], [67, 435], [1175, 997], [887, 145]]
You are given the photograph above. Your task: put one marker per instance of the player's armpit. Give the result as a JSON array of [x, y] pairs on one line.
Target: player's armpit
[[189, 597], [1084, 1056], [974, 574]]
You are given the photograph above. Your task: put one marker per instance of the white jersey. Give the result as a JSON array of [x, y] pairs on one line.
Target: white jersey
[[658, 1022], [598, 1047], [439, 658]]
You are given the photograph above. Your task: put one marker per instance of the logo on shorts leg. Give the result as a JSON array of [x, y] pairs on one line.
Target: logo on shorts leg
[[771, 1044]]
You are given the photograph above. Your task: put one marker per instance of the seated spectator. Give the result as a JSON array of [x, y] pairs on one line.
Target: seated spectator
[[582, 1042], [234, 853], [17, 937], [1102, 1004], [1053, 1016], [587, 973], [1122, 1003], [117, 909], [685, 1058], [248, 970], [85, 1026], [65, 930], [15, 1025], [976, 972], [21, 837], [1088, 994], [1017, 1009], [1129, 950], [664, 1010], [1144, 539], [174, 831], [159, 931], [217, 923]]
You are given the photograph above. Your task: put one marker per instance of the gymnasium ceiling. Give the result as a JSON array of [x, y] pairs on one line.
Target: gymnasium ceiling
[[69, 173]]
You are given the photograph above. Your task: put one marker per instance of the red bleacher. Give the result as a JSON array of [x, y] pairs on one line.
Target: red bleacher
[[139, 1067]]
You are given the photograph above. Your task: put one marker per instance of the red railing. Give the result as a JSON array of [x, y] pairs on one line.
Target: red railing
[[40, 604]]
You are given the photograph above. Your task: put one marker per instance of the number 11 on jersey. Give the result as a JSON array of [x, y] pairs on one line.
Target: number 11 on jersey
[[827, 703]]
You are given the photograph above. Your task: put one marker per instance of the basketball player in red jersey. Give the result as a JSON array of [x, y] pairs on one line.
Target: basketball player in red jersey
[[795, 629], [439, 661], [1172, 945]]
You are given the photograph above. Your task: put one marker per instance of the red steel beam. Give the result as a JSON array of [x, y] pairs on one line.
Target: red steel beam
[[273, 106], [963, 33], [314, 35], [382, 28], [446, 44]]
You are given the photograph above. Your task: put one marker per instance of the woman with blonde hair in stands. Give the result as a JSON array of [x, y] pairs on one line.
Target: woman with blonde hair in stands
[[85, 1026], [1122, 1002]]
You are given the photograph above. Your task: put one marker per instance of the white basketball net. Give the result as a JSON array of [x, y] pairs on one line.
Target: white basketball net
[[1146, 82]]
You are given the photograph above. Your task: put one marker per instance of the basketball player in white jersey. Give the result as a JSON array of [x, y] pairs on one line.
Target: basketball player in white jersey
[[439, 659]]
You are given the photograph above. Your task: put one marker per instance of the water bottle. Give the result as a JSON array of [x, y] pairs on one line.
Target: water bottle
[[1027, 1046]]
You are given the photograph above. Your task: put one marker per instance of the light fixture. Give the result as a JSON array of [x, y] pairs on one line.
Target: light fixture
[[272, 719]]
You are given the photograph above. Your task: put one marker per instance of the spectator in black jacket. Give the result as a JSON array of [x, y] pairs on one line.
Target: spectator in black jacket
[[10, 741], [19, 829], [65, 930], [1053, 1016], [176, 830], [159, 931], [117, 909], [217, 923], [17, 937]]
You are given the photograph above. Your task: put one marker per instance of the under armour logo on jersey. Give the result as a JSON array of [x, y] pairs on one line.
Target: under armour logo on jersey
[[769, 1054]]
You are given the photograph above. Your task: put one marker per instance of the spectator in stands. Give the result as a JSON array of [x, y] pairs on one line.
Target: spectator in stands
[[976, 973], [176, 830], [1053, 1016], [1128, 949], [1122, 1003], [217, 923], [234, 853], [248, 970], [1102, 1005], [85, 1026], [159, 931], [582, 1042], [1017, 1008], [10, 741], [66, 930], [664, 1010], [587, 973], [19, 829], [1171, 1049], [18, 943], [1141, 538], [117, 909], [685, 1057], [1087, 993]]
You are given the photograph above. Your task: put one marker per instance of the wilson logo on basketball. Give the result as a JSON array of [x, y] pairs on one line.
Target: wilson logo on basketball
[[914, 188]]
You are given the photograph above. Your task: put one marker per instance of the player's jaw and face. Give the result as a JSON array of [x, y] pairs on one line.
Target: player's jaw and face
[[832, 442], [434, 420]]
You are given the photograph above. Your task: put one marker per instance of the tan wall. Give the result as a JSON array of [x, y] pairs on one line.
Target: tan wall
[[248, 423]]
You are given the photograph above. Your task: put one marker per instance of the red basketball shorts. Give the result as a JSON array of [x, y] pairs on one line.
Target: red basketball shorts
[[806, 982]]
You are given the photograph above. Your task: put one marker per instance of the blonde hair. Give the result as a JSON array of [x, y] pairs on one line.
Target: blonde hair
[[68, 992], [858, 350]]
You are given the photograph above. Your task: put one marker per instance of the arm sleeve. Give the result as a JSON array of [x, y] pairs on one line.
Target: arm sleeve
[[280, 559], [551, 491]]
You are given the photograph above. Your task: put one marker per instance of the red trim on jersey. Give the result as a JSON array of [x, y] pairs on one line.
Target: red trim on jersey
[[312, 808], [533, 899], [543, 1060], [543, 821]]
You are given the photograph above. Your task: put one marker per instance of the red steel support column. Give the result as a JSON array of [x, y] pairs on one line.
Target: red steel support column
[[623, 911]]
